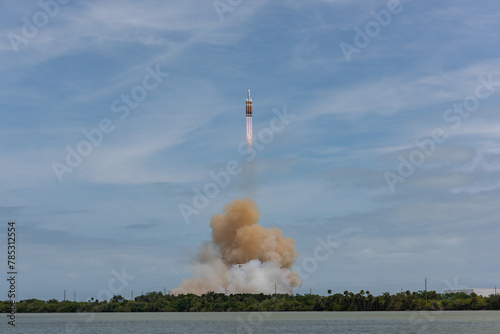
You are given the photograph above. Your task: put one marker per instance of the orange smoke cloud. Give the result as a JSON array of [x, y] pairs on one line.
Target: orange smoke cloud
[[237, 239], [240, 238]]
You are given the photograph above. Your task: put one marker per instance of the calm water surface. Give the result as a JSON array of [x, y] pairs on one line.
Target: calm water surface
[[452, 322]]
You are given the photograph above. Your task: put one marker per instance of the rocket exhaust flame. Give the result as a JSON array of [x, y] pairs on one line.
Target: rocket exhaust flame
[[249, 131], [243, 257], [249, 115]]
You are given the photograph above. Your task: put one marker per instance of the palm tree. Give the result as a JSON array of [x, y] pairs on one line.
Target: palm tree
[[370, 298], [346, 298]]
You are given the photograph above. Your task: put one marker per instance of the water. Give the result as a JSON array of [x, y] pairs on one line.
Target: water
[[450, 322]]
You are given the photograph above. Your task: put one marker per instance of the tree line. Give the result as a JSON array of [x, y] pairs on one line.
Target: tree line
[[220, 302]]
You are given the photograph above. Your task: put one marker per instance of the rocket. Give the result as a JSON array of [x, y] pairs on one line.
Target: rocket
[[249, 119], [249, 104]]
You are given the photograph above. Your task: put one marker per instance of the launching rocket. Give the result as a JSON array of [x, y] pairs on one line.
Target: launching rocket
[[249, 105], [249, 119]]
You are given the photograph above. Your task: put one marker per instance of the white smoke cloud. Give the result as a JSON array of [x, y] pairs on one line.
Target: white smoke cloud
[[243, 257]]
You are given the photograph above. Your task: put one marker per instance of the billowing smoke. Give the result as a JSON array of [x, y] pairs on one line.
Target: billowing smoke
[[243, 257]]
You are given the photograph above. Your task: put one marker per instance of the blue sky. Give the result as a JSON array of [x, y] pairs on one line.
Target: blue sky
[[348, 168]]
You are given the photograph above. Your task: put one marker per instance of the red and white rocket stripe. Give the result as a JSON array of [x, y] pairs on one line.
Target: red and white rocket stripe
[[249, 119]]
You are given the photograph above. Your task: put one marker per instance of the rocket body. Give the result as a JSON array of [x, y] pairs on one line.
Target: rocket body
[[249, 112], [249, 105]]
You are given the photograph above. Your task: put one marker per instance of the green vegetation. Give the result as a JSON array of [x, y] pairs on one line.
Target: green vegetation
[[219, 302]]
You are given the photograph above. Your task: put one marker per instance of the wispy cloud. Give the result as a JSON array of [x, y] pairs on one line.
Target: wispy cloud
[[397, 94]]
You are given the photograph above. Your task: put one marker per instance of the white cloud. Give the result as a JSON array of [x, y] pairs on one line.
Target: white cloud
[[397, 94], [103, 26]]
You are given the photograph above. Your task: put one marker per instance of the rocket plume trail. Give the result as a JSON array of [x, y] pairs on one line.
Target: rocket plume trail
[[243, 257], [249, 113], [249, 131], [249, 184]]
